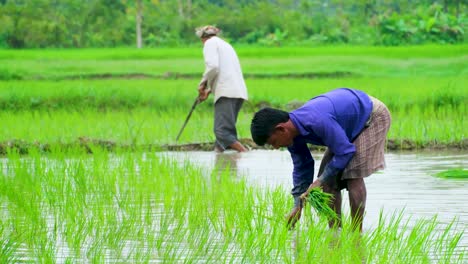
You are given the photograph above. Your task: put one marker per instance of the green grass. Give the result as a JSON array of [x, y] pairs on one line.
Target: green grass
[[397, 93], [150, 126], [362, 61], [245, 51], [425, 110], [141, 126], [141, 207], [424, 88]]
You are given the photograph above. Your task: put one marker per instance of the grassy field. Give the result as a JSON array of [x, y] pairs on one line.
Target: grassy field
[[361, 61], [398, 93], [142, 96], [141, 207], [120, 206], [425, 110]]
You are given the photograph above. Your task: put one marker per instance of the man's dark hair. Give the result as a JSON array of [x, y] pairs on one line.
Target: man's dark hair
[[264, 123]]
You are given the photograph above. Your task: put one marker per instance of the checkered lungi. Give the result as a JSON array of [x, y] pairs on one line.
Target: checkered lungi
[[370, 146]]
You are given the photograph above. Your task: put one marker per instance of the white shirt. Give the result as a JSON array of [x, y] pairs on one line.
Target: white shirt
[[222, 70]]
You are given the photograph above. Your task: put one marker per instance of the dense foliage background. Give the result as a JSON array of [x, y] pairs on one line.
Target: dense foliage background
[[156, 23]]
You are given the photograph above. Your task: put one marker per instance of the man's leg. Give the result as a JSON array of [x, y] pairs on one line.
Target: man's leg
[[357, 201], [236, 109], [335, 205], [369, 157], [332, 189], [226, 111], [218, 148]]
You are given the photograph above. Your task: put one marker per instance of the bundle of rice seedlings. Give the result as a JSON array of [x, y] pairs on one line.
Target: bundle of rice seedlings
[[320, 201], [454, 174]]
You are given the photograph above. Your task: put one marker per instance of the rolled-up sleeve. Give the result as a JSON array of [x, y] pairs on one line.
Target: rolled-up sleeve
[[211, 57], [303, 172]]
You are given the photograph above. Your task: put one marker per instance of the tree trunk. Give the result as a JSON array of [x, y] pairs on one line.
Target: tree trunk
[[180, 8], [139, 15], [189, 9]]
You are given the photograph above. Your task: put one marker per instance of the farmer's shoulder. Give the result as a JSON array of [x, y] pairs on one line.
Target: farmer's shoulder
[[214, 41]]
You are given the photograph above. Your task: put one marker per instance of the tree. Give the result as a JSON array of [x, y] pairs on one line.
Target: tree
[[138, 18], [185, 11], [137, 8], [109, 23]]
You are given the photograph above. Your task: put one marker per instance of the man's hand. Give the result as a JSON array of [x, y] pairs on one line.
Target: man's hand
[[316, 183], [294, 216], [304, 195], [202, 96], [203, 92]]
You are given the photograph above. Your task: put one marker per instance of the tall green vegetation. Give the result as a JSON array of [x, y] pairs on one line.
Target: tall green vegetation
[[257, 62], [425, 110], [141, 97], [156, 23], [142, 207]]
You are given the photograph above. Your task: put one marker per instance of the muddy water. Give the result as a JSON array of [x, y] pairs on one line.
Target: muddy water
[[408, 183]]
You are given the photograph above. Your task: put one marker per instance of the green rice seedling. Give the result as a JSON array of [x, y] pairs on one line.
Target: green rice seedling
[[96, 94], [148, 127], [145, 207], [8, 246], [320, 201], [365, 61], [427, 91], [46, 113], [444, 248], [391, 241], [459, 173]]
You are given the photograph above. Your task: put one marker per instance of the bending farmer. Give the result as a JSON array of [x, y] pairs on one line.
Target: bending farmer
[[351, 124], [222, 77]]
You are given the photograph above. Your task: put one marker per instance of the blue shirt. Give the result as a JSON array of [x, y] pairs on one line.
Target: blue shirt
[[333, 119]]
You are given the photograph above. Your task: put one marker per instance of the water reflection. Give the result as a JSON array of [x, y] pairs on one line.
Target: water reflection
[[227, 161]]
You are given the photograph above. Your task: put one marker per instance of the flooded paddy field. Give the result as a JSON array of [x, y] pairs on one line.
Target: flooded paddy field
[[173, 207], [408, 183]]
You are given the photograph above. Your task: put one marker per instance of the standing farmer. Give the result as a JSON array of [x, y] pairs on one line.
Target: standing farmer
[[222, 77], [351, 124]]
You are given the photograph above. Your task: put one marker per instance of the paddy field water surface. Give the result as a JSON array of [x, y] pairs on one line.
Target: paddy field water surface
[[408, 183]]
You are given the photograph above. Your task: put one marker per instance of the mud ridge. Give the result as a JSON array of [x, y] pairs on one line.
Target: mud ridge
[[178, 75], [89, 145]]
